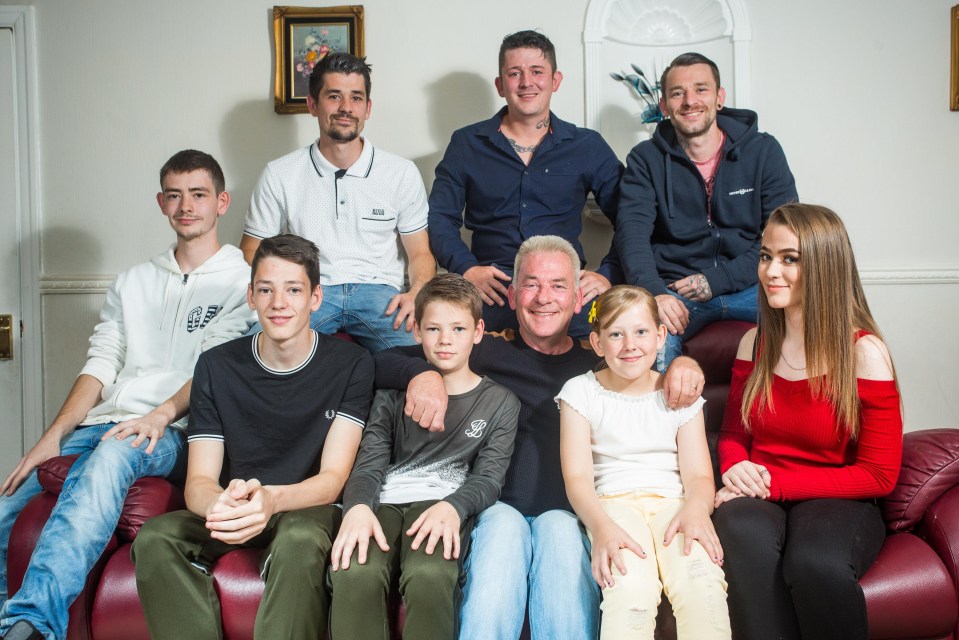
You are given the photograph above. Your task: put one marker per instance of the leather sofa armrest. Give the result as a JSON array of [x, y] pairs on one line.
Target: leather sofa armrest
[[930, 468], [51, 473], [147, 498]]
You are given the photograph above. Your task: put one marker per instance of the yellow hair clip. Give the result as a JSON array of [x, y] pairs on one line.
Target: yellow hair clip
[[593, 310]]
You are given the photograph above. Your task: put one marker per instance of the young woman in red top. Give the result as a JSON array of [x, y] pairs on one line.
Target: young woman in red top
[[811, 437]]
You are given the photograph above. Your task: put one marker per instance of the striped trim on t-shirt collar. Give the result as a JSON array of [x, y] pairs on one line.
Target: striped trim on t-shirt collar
[[284, 372]]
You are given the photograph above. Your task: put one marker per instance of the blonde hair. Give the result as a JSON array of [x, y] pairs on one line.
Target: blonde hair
[[614, 303], [834, 307]]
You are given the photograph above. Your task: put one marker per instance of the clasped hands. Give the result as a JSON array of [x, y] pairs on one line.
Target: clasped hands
[[744, 479], [240, 512]]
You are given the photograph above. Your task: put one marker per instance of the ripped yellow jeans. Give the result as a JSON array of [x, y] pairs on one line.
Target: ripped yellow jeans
[[695, 586]]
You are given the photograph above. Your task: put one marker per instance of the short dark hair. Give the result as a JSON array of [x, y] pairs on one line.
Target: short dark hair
[[339, 62], [688, 60], [292, 248], [192, 160], [527, 40], [453, 289]]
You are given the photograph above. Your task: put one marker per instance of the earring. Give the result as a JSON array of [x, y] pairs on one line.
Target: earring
[[719, 107]]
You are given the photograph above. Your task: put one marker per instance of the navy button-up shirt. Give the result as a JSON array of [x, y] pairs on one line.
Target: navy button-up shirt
[[507, 201]]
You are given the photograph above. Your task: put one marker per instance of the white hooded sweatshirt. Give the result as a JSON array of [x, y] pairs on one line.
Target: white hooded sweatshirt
[[155, 323]]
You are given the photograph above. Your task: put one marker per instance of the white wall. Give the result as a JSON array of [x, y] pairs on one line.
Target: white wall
[[856, 92]]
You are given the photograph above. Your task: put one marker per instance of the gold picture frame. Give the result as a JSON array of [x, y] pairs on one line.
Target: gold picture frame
[[954, 66], [301, 37]]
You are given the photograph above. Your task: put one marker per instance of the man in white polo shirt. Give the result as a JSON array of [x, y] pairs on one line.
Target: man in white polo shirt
[[352, 200]]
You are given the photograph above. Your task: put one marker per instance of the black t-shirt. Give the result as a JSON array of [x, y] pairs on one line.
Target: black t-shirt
[[273, 424]]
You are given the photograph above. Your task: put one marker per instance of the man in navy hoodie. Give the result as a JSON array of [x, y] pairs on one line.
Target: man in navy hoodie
[[693, 203]]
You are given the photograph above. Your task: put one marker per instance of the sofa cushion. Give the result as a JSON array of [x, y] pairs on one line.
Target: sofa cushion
[[908, 578], [930, 467], [715, 347]]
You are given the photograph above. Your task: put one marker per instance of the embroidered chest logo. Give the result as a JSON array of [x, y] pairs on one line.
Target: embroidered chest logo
[[330, 414], [379, 212], [475, 429], [741, 192], [197, 319]]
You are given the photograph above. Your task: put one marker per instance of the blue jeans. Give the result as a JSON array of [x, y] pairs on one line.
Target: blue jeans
[[80, 525], [545, 559], [734, 306]]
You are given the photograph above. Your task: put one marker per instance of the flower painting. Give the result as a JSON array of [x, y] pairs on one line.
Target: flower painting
[[303, 36], [311, 44]]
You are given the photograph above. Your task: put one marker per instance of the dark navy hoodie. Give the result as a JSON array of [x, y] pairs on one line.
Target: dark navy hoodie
[[666, 230]]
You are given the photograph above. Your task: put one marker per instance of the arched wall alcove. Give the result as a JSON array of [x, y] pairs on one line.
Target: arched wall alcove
[[649, 34]]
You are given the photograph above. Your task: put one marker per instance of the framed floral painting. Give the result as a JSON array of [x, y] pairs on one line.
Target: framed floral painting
[[302, 37]]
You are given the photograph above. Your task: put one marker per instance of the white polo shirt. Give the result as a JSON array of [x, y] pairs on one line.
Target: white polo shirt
[[355, 219]]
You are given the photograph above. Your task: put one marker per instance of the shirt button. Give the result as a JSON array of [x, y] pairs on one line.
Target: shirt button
[[526, 173], [524, 205], [342, 201]]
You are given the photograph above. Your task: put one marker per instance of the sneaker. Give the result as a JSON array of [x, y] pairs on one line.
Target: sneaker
[[23, 630]]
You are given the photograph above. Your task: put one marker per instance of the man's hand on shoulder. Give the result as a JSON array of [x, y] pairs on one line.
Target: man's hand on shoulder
[[404, 306], [241, 512], [694, 288], [683, 383], [489, 281], [426, 400], [592, 284], [47, 447], [672, 313]]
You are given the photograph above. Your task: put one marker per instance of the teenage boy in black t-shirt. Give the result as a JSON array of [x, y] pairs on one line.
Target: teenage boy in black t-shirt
[[414, 491], [280, 412]]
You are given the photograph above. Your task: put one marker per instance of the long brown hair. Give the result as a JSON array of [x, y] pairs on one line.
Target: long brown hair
[[834, 307]]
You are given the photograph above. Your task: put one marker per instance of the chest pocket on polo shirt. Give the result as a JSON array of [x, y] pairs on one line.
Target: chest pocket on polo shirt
[[378, 218], [560, 186]]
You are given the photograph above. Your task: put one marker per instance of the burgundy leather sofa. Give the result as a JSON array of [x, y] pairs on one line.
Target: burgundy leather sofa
[[911, 590]]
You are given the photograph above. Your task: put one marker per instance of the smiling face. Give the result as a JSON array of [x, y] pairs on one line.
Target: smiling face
[[544, 295], [342, 107], [447, 332], [190, 202], [691, 99], [629, 344], [527, 82], [281, 295], [779, 272]]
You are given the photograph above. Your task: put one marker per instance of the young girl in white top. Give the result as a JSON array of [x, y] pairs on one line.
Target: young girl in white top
[[638, 473]]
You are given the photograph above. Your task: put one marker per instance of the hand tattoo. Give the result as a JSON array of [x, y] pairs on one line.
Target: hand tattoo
[[701, 286]]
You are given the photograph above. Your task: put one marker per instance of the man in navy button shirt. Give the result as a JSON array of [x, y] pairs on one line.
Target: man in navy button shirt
[[522, 173]]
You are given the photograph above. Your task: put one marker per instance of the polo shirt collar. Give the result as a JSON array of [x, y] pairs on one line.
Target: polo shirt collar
[[359, 169]]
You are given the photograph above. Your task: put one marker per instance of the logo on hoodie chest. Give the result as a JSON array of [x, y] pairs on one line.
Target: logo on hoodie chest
[[197, 319]]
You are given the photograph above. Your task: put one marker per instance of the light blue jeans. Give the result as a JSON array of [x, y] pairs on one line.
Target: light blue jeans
[[80, 525], [734, 306], [359, 310], [513, 558]]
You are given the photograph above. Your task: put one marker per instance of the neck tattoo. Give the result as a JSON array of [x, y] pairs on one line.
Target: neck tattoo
[[542, 124], [520, 148]]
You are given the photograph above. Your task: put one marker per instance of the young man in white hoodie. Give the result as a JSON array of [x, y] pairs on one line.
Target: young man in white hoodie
[[126, 412]]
